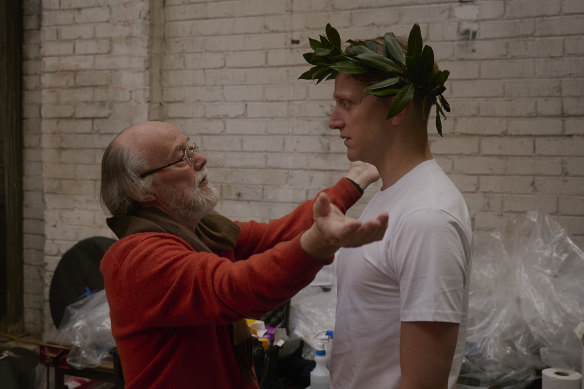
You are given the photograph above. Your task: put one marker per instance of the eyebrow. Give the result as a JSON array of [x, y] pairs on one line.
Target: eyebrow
[[181, 147]]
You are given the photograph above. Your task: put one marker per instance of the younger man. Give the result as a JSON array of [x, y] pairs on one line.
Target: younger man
[[402, 301]]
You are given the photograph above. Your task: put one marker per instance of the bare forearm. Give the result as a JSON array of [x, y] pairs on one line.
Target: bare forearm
[[426, 353]]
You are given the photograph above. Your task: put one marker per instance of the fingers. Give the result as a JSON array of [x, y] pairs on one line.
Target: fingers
[[321, 206], [367, 232]]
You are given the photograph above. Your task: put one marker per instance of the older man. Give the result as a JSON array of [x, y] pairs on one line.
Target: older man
[[182, 278]]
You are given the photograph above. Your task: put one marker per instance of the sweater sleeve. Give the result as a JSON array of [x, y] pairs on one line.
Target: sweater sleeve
[[158, 280], [257, 237]]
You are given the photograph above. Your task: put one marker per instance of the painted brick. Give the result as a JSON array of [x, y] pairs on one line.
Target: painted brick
[[574, 126], [572, 6], [483, 126], [245, 59], [185, 110], [524, 203], [567, 145], [506, 184], [507, 107], [554, 26], [484, 201], [243, 160], [58, 17], [507, 146], [480, 49], [572, 186], [549, 107], [92, 46], [279, 93], [205, 61], [92, 15], [564, 67], [571, 205], [535, 126], [480, 88], [284, 194], [536, 47], [243, 93], [528, 88], [263, 143], [507, 69], [91, 78], [57, 48], [532, 8], [272, 109], [220, 110], [574, 105], [92, 110], [454, 145], [241, 192], [479, 165], [506, 28], [85, 31]]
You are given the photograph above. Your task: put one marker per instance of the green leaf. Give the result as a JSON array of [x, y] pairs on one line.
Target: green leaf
[[314, 44], [360, 48], [444, 103], [392, 48], [321, 74], [383, 84], [401, 100], [425, 66], [325, 42], [385, 92], [333, 36], [348, 67], [322, 52], [378, 62], [308, 57], [412, 65], [308, 75], [415, 41], [439, 78]]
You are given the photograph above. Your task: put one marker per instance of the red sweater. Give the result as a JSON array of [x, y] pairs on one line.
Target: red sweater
[[170, 306]]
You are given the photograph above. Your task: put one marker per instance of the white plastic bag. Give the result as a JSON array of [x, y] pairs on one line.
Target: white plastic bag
[[86, 325]]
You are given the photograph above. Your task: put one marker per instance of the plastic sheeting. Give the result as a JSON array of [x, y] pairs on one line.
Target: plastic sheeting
[[526, 293], [86, 325]]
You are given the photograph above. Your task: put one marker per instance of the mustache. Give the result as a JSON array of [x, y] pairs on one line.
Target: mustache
[[200, 176]]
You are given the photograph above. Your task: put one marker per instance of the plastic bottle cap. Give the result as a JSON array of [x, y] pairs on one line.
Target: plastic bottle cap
[[320, 352], [329, 333]]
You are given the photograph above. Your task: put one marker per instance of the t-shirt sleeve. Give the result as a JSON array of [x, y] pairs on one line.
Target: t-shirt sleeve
[[431, 265]]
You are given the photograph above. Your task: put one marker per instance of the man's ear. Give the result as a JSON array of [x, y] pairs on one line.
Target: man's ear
[[400, 117]]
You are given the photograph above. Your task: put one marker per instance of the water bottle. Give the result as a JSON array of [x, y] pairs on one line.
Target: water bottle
[[319, 376]]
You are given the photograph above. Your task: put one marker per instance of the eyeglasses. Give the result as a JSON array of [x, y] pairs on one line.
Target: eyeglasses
[[188, 156]]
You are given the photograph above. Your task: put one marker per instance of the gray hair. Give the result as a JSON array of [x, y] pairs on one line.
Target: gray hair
[[122, 189]]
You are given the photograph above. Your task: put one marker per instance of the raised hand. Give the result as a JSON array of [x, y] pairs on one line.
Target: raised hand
[[332, 230], [362, 173]]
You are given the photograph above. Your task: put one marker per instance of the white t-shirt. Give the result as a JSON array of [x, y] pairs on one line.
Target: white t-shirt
[[419, 271]]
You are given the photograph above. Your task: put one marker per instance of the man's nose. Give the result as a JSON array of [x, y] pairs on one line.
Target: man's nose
[[199, 161], [335, 122]]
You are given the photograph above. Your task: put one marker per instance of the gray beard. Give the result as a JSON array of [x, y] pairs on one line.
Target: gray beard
[[193, 204]]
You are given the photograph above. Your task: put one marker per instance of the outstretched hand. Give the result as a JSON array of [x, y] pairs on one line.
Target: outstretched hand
[[332, 230]]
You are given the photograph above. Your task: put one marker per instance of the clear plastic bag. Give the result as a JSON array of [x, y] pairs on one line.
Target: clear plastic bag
[[526, 293], [312, 313], [86, 325]]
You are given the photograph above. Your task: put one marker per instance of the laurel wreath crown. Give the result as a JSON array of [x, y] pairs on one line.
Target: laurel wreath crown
[[403, 74]]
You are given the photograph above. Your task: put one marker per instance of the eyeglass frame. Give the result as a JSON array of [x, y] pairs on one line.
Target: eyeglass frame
[[190, 160]]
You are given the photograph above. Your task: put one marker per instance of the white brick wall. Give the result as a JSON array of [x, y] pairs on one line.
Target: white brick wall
[[226, 74]]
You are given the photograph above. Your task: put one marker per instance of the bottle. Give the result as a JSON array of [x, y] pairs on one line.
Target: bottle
[[328, 346], [319, 376]]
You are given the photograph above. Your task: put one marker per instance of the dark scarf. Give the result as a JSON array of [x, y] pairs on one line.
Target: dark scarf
[[214, 233]]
